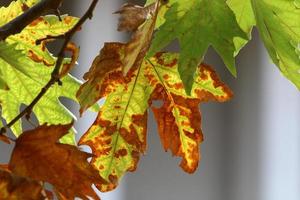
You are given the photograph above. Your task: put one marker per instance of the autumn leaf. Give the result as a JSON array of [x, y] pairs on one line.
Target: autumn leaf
[[179, 119], [13, 187], [38, 155], [108, 60], [118, 136], [143, 26], [198, 24]]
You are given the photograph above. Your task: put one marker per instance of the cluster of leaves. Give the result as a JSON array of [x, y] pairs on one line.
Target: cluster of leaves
[[129, 76]]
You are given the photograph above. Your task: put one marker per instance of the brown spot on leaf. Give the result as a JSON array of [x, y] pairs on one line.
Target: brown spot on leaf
[[37, 21], [121, 153], [68, 20], [113, 179], [33, 56], [24, 7]]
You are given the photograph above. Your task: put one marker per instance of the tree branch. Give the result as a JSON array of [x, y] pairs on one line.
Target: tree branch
[[55, 77], [19, 23]]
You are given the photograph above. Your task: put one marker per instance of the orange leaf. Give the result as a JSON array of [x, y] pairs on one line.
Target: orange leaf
[[118, 135], [108, 60], [38, 155], [15, 187]]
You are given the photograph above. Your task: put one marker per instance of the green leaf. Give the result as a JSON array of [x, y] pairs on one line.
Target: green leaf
[[245, 18], [23, 88], [278, 22], [297, 3], [14, 9], [197, 24], [118, 135], [38, 29], [26, 67]]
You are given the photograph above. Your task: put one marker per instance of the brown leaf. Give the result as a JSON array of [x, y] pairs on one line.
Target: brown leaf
[[38, 155], [119, 134], [14, 187], [132, 16], [142, 21]]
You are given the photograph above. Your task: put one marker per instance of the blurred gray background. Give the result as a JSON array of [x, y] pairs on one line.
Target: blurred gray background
[[252, 143]]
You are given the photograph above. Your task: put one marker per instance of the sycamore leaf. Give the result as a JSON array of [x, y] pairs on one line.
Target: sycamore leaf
[[15, 9], [197, 24], [179, 119], [107, 61], [118, 136], [39, 156], [143, 27], [13, 187], [38, 29], [23, 77], [297, 3], [23, 88], [245, 18], [278, 22]]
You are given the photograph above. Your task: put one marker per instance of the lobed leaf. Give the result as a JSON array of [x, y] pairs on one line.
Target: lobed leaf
[[23, 88], [197, 24], [278, 22], [26, 67], [39, 156], [13, 187], [118, 136], [245, 18]]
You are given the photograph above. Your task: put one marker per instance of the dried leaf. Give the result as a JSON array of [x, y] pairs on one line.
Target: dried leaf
[[38, 155], [143, 26], [133, 16], [118, 136], [13, 187]]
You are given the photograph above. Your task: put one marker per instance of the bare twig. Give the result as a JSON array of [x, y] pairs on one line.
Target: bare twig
[[55, 74], [19, 23]]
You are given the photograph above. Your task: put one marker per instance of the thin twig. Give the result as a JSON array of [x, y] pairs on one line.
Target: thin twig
[[55, 78], [19, 23]]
